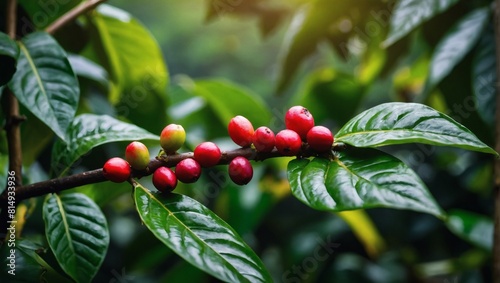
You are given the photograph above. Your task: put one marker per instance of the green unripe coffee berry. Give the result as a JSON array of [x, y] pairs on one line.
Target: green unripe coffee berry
[[172, 138], [137, 155]]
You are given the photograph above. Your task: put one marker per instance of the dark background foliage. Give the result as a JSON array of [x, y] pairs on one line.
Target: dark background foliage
[[258, 58]]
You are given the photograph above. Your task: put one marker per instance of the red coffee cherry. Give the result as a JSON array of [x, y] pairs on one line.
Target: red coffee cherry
[[164, 179], [137, 155], [188, 170], [207, 154], [240, 170], [116, 170], [263, 139], [241, 131], [320, 138], [300, 120], [288, 143], [172, 138]]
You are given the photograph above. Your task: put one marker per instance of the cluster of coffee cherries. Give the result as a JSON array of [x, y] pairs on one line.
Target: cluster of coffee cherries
[[300, 132]]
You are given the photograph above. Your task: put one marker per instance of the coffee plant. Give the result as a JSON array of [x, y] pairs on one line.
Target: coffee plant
[[105, 160]]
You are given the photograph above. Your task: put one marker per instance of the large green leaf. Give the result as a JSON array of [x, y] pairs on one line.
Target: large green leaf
[[229, 100], [9, 51], [456, 44], [29, 265], [136, 66], [408, 14], [89, 131], [358, 179], [484, 77], [8, 46], [45, 83], [398, 123], [199, 236], [476, 229], [77, 233]]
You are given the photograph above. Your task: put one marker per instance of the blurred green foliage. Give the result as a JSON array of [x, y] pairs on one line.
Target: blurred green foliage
[[337, 58]]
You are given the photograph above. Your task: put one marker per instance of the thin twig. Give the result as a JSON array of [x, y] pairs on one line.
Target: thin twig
[[11, 16], [72, 14], [12, 127], [496, 234], [96, 176]]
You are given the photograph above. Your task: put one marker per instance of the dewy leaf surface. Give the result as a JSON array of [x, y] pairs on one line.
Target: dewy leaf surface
[[45, 83], [399, 123], [484, 76], [360, 179], [9, 51], [199, 236], [77, 233], [456, 44], [88, 131], [409, 14]]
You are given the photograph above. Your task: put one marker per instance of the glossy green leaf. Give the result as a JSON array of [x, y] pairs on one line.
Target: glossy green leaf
[[456, 44], [89, 131], [77, 233], [136, 66], [23, 268], [9, 51], [409, 14], [45, 83], [229, 100], [199, 236], [484, 77], [29, 265], [398, 123], [8, 46], [474, 228], [359, 179]]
